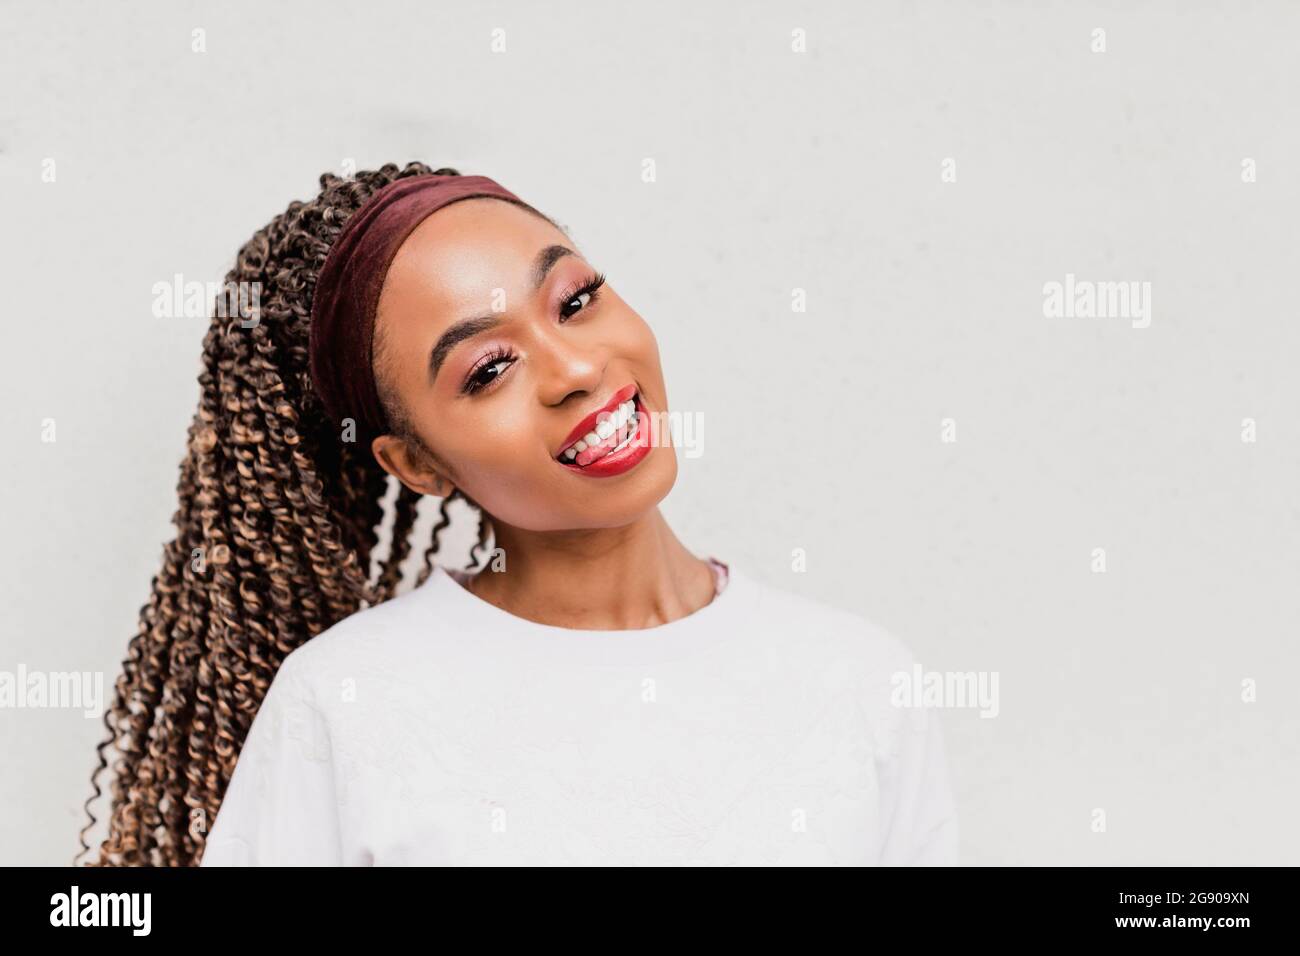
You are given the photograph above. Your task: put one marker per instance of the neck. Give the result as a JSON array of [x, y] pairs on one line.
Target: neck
[[632, 577]]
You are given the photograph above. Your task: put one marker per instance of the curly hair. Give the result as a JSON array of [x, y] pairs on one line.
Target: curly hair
[[275, 529]]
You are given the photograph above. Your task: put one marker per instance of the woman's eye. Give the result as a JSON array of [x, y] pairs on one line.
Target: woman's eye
[[482, 378], [583, 299]]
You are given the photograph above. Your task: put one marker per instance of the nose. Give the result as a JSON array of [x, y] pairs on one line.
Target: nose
[[567, 364]]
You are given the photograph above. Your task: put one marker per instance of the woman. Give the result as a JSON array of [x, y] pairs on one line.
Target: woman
[[592, 692]]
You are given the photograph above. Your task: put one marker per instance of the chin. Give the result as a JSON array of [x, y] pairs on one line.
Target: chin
[[591, 503], [621, 505]]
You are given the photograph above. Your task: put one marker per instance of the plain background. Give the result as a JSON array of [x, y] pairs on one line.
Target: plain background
[[775, 171]]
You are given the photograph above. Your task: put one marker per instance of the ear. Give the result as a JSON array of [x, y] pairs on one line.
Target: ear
[[411, 466]]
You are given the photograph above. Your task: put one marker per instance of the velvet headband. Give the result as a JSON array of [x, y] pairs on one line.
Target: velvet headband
[[341, 337]]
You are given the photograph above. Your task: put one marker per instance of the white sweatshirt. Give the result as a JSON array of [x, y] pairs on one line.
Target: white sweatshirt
[[439, 729]]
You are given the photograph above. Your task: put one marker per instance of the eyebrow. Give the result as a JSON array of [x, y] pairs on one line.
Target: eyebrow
[[468, 328]]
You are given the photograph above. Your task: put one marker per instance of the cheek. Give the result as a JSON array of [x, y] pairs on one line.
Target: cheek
[[635, 342], [492, 446], [499, 465]]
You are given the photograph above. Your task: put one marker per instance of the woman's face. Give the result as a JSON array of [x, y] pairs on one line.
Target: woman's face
[[488, 341]]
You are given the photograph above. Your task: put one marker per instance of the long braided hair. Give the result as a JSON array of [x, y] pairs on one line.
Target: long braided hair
[[275, 529]]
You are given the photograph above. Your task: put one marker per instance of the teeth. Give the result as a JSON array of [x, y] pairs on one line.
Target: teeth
[[614, 423], [630, 435]]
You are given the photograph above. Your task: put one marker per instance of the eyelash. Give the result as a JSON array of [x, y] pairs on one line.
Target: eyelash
[[590, 286]]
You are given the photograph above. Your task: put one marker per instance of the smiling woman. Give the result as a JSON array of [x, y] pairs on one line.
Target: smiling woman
[[599, 694], [499, 347]]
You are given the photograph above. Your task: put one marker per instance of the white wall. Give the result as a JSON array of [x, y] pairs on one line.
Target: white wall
[[776, 170]]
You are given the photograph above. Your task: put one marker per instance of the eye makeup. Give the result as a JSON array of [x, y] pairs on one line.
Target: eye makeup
[[488, 370]]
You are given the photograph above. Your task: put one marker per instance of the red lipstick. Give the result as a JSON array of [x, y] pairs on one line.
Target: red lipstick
[[631, 453], [589, 423]]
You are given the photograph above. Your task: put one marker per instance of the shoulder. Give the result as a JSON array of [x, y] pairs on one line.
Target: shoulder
[[813, 622], [856, 661], [372, 638]]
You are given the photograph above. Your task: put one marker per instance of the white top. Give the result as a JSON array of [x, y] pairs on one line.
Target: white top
[[439, 729]]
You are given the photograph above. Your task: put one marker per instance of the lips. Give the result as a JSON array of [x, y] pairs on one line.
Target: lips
[[589, 424], [622, 438], [618, 454]]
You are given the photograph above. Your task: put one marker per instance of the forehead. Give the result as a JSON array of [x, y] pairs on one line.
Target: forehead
[[457, 256]]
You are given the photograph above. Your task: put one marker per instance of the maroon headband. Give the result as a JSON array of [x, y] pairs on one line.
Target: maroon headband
[[341, 339]]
